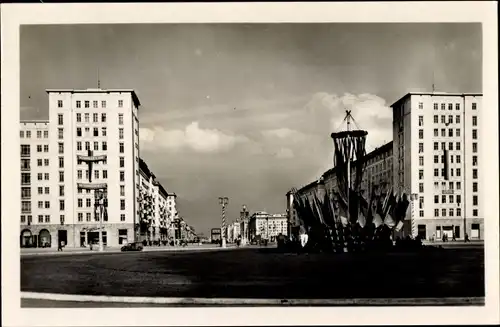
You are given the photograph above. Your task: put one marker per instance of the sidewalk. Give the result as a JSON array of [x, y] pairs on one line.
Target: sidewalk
[[79, 250]]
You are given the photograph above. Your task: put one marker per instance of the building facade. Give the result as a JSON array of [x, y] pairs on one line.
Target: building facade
[[437, 151], [267, 226], [37, 215]]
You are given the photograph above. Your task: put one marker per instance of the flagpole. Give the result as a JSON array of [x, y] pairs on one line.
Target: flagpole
[[348, 166]]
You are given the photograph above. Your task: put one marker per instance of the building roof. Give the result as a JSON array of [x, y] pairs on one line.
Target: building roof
[[135, 98], [34, 121], [409, 94], [145, 169]]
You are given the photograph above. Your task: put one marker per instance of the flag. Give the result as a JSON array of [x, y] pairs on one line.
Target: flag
[[388, 221], [399, 226], [377, 220], [361, 219]]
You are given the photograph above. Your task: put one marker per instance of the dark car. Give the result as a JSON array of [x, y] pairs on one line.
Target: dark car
[[137, 246]]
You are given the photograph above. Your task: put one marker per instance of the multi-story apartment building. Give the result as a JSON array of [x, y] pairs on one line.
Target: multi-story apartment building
[[105, 122], [267, 226], [153, 208], [437, 150], [37, 217]]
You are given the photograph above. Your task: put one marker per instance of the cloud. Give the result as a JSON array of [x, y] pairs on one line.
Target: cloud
[[284, 153], [192, 137]]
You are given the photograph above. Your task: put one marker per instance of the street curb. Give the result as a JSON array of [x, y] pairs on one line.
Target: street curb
[[119, 251], [452, 301]]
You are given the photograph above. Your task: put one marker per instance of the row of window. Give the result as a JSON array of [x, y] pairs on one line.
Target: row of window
[[86, 116], [443, 106], [104, 147], [451, 212], [450, 120], [26, 149], [27, 134], [86, 103], [450, 133], [451, 157], [436, 173], [79, 132], [28, 218]]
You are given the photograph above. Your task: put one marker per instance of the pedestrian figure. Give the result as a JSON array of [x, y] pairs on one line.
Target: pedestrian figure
[[60, 246], [467, 238], [453, 238]]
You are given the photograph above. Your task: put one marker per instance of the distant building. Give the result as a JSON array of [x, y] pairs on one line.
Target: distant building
[[267, 226], [437, 150]]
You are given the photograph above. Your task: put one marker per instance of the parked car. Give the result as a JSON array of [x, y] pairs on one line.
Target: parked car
[[137, 246]]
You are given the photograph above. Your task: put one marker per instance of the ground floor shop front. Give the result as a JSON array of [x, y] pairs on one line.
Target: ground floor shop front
[[438, 229], [76, 235]]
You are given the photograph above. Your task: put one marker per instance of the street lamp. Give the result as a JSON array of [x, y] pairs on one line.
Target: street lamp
[[223, 201], [413, 197]]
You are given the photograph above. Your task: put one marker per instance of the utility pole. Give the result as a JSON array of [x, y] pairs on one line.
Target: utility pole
[[223, 201]]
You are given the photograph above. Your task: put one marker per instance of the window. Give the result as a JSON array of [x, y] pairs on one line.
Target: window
[[79, 174], [87, 117], [436, 132], [96, 146], [450, 106], [39, 162], [28, 134], [25, 206], [120, 103], [78, 104], [421, 187], [61, 162], [435, 106], [474, 212], [104, 146], [457, 106], [103, 103], [95, 117], [459, 172], [104, 174], [420, 133], [443, 212], [61, 176], [40, 190], [459, 185], [59, 103], [420, 105], [61, 205], [475, 200], [436, 119], [122, 162], [122, 147], [436, 172], [457, 132], [122, 176], [96, 174], [474, 120], [40, 176], [451, 213], [46, 148], [88, 216], [120, 133], [474, 187], [474, 160], [38, 134], [421, 160], [26, 192], [25, 178], [451, 198], [87, 175], [23, 219], [103, 131], [421, 174], [443, 145], [443, 198], [60, 119], [122, 217], [94, 103], [87, 104], [474, 106], [60, 133], [474, 134], [436, 198], [46, 176], [61, 190], [40, 204], [420, 147], [122, 204], [457, 119], [40, 219], [421, 213], [79, 146], [450, 132], [443, 132], [103, 117], [436, 212], [458, 146], [436, 159], [87, 145], [443, 119], [459, 199], [78, 131], [459, 212], [450, 119], [420, 120], [474, 147], [122, 190], [88, 203], [450, 146], [96, 131], [474, 173], [120, 119]]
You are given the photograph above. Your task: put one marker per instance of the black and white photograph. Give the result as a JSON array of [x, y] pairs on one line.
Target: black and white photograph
[[228, 162]]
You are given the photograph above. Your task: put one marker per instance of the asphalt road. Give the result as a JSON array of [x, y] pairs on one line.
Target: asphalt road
[[259, 273]]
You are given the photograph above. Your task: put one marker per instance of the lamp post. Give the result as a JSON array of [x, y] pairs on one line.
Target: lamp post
[[244, 216], [223, 201], [413, 197]]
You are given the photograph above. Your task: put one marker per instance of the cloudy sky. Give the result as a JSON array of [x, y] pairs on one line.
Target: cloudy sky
[[246, 110]]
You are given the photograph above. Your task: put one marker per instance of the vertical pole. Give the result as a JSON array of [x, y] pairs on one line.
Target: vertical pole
[[223, 229], [464, 187], [101, 218], [348, 167]]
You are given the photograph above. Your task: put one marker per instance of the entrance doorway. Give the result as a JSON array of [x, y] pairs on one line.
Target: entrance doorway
[[26, 239], [457, 231], [44, 239], [62, 236], [474, 231], [422, 231], [93, 238]]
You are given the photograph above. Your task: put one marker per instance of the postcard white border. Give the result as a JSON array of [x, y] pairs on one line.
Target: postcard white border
[[13, 15]]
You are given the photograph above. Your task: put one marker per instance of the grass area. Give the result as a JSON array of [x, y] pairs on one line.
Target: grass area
[[256, 273]]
